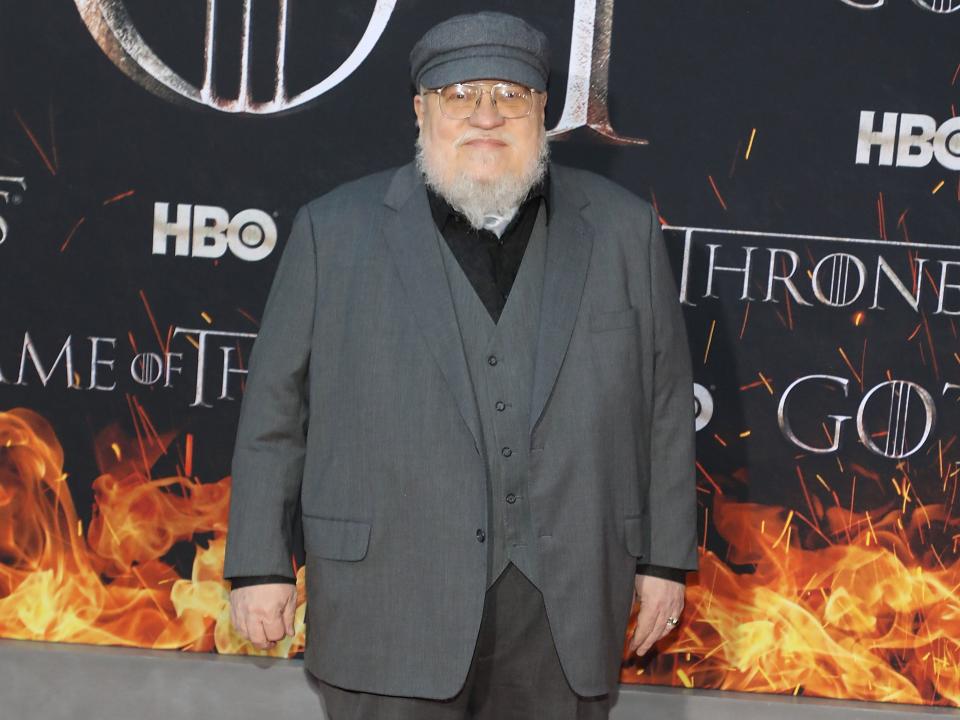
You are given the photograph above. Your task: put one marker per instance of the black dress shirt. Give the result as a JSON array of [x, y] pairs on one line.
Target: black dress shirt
[[491, 264]]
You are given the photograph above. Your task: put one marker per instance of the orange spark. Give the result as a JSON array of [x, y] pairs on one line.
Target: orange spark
[[717, 192], [746, 313], [36, 144], [76, 225], [880, 217], [709, 479], [119, 196], [850, 365], [706, 353], [188, 462], [753, 134], [153, 321]]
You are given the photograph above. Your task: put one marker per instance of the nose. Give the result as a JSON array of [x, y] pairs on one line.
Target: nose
[[486, 115]]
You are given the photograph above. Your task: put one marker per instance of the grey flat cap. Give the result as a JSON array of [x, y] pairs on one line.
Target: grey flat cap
[[481, 45]]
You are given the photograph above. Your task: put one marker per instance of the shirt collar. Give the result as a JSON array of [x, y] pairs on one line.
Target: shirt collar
[[442, 211]]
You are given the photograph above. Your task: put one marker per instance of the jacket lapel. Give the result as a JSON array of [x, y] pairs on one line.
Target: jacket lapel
[[411, 235], [569, 244]]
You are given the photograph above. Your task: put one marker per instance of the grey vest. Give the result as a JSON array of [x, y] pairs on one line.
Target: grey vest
[[500, 357]]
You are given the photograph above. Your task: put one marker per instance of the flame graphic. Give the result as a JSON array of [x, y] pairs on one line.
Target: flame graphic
[[872, 615], [867, 618], [111, 586]]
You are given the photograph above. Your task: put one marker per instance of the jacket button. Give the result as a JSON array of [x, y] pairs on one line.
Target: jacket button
[[511, 498], [492, 360], [481, 535], [506, 452], [500, 405]]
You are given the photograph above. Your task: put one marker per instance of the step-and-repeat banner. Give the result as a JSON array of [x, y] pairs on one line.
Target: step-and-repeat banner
[[803, 158]]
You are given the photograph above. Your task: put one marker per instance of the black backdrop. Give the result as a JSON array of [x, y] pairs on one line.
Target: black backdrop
[[751, 110]]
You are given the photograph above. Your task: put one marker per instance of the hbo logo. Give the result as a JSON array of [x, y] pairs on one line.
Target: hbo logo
[[916, 139], [207, 231]]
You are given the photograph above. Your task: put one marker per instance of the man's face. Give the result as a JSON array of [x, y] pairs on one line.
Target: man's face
[[484, 146]]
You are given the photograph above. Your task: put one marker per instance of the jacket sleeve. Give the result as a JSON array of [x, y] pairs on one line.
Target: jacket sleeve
[[672, 502], [268, 456]]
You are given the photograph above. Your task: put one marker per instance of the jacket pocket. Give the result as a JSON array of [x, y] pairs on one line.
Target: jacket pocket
[[335, 539], [635, 536], [614, 319]]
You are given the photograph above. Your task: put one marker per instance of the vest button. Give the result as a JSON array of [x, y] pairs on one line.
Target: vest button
[[506, 452], [492, 360], [511, 498], [481, 535], [500, 405]]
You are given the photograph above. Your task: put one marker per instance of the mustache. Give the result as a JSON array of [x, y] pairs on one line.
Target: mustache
[[471, 136]]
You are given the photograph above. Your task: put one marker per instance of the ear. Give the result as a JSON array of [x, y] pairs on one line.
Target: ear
[[418, 109]]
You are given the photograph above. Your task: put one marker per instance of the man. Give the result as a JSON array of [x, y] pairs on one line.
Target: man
[[472, 386]]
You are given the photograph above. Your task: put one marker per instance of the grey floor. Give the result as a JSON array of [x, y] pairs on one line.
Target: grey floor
[[47, 681]]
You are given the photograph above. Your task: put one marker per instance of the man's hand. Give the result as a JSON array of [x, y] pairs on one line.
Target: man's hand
[[262, 613], [659, 600]]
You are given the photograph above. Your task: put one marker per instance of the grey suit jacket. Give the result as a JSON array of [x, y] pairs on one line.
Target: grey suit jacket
[[359, 422]]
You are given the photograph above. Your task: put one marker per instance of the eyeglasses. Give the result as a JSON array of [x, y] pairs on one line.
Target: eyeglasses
[[460, 100]]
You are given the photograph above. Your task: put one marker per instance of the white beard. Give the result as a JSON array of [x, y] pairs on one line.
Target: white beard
[[475, 199]]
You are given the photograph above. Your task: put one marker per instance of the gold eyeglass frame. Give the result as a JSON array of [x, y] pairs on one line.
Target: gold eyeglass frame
[[484, 89]]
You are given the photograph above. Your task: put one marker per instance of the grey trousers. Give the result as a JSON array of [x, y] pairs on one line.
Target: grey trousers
[[515, 673]]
